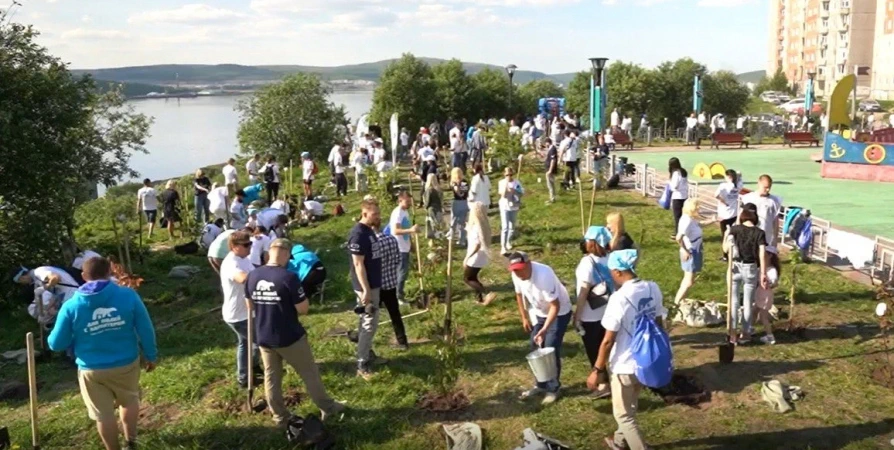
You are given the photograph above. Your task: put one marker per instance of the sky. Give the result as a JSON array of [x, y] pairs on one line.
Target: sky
[[552, 36]]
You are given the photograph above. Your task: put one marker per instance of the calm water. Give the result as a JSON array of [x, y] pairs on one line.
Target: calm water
[[200, 131]]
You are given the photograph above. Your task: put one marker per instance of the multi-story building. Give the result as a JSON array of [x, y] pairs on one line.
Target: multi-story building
[[883, 61], [827, 37]]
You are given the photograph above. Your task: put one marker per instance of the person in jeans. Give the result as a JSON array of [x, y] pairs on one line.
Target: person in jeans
[[234, 271], [202, 186], [341, 181], [763, 297], [510, 191], [390, 274], [632, 299], [748, 246], [271, 179], [546, 316], [459, 151], [275, 295], [460, 207], [477, 257], [552, 167], [568, 150], [679, 186], [727, 196], [399, 223], [432, 199], [107, 326], [594, 286], [689, 237], [366, 279], [480, 187]]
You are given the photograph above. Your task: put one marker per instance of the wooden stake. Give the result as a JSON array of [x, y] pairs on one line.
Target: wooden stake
[[140, 218], [32, 389], [40, 325], [419, 262], [580, 190], [729, 297], [592, 203], [117, 241], [127, 246], [448, 314], [250, 365]]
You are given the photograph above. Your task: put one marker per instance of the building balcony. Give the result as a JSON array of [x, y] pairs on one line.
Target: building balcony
[[824, 13], [843, 26], [844, 10], [823, 29]]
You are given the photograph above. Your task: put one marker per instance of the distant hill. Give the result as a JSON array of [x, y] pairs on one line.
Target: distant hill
[[171, 74], [751, 77]]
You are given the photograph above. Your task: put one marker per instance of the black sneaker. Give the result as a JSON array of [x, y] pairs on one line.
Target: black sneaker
[[131, 445]]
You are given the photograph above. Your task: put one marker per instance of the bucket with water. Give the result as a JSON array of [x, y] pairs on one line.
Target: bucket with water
[[543, 364]]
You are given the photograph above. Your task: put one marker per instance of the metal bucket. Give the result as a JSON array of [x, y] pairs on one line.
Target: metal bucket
[[543, 364]]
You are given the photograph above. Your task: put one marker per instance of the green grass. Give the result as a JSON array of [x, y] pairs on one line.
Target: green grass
[[192, 401]]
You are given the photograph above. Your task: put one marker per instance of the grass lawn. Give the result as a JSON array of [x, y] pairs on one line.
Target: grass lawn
[[192, 400]]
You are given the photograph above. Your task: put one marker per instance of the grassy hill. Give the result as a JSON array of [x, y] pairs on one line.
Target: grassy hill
[[751, 77]]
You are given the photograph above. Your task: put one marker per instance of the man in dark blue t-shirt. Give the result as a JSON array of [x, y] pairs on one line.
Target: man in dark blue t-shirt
[[366, 277], [276, 296], [552, 167]]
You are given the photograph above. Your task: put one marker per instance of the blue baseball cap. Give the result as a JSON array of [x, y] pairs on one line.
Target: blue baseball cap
[[623, 260], [599, 234]]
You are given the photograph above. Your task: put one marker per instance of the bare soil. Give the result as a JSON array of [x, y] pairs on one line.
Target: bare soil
[[437, 402]]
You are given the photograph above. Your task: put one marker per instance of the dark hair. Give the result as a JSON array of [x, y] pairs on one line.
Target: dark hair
[[750, 207], [147, 182], [479, 169], [548, 141], [271, 158], [219, 222], [239, 237], [240, 193], [767, 178], [231, 160], [748, 215], [673, 165], [97, 268], [403, 193], [733, 175]]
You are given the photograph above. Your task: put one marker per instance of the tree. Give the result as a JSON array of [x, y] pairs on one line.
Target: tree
[[630, 88], [59, 137], [290, 117], [674, 100], [777, 83], [577, 96], [454, 91], [491, 94], [723, 93], [530, 93], [407, 87]]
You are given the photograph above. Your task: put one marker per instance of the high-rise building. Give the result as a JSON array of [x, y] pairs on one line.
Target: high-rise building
[[827, 37], [883, 61]]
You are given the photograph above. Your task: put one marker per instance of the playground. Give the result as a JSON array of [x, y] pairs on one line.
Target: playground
[[854, 205]]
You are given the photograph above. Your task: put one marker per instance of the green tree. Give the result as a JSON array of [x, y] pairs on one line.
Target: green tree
[[407, 87], [723, 93], [454, 91], [577, 96], [674, 100], [530, 93], [290, 117], [491, 94], [777, 83], [59, 137], [630, 88]]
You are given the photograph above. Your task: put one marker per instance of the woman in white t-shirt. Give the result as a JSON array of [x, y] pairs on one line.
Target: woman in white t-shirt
[[510, 191], [679, 187], [689, 236], [478, 236], [479, 190], [308, 167], [594, 286], [727, 196], [217, 201]]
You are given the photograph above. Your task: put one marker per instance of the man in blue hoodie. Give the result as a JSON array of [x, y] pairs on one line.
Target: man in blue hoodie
[[107, 326]]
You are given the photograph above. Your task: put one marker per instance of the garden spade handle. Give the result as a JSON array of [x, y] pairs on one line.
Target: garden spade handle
[[250, 364], [419, 261], [32, 389], [729, 297]]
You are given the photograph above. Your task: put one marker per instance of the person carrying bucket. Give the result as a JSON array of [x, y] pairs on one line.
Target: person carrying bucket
[[545, 311]]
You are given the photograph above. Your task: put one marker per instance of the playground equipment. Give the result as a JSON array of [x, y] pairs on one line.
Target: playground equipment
[[715, 171]]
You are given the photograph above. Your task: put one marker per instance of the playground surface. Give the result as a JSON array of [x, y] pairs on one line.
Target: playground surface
[[860, 206]]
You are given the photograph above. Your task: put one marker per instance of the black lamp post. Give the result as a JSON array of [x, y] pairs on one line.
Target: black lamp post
[[597, 95], [510, 69]]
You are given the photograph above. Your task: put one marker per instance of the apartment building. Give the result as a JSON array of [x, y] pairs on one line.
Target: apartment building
[[827, 37], [883, 61]]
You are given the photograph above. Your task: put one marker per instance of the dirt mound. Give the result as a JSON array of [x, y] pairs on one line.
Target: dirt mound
[[438, 402], [684, 389]]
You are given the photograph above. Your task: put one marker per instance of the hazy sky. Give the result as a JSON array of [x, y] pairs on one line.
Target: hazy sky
[[544, 35]]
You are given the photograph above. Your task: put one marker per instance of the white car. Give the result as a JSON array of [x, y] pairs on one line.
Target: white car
[[770, 97], [796, 106], [783, 98]]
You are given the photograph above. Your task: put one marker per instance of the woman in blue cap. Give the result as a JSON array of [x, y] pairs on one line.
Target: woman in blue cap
[[594, 286]]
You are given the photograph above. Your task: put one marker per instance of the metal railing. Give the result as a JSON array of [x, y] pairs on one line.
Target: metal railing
[[650, 183]]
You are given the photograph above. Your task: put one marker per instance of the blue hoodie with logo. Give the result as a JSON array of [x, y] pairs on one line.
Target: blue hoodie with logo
[[106, 324]]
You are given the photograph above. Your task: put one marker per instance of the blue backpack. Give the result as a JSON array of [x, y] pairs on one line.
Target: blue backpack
[[651, 350], [665, 200]]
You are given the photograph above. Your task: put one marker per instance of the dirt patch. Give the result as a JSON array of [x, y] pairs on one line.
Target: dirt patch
[[437, 402], [154, 417], [883, 372], [684, 389], [293, 397], [795, 334]]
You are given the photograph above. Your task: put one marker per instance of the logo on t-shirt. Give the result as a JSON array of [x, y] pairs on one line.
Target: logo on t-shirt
[[264, 285]]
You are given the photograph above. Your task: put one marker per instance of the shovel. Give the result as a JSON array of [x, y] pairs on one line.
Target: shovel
[[32, 389], [261, 405], [726, 351]]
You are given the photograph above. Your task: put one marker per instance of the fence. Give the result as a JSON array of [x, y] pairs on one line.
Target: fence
[[650, 183]]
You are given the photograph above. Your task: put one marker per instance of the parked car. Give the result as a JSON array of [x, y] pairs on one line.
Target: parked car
[[870, 106], [770, 97], [797, 106], [783, 98]]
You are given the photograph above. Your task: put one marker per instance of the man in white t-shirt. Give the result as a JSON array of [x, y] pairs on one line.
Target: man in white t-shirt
[[312, 210], [251, 167], [740, 124], [631, 300], [231, 175], [210, 232], [400, 226], [218, 202], [233, 271], [691, 128], [52, 279], [615, 119], [545, 310], [147, 200], [768, 209], [260, 246], [307, 173], [404, 141], [332, 159]]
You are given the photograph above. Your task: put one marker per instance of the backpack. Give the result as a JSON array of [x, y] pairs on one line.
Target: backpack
[[665, 200], [315, 169], [269, 175], [308, 432], [651, 350]]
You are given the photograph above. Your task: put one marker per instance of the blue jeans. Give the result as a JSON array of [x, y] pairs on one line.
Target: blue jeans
[[403, 273], [745, 277], [203, 208], [460, 159], [508, 220], [241, 330], [458, 219], [553, 337]]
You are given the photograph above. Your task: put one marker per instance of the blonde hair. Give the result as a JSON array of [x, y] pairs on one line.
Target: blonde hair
[[690, 207], [478, 220], [455, 175], [615, 222], [170, 184], [199, 173], [431, 182]]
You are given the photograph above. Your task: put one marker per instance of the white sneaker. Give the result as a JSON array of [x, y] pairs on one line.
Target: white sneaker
[[768, 340], [531, 392], [550, 398], [509, 246]]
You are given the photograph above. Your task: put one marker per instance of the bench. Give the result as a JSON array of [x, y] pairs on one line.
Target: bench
[[728, 138], [799, 137], [623, 141]]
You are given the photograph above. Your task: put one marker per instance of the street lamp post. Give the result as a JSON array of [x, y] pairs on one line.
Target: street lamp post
[[510, 70], [809, 95], [597, 95], [697, 95]]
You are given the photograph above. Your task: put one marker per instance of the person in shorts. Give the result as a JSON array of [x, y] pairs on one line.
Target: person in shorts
[[308, 167], [689, 237], [147, 200], [108, 327]]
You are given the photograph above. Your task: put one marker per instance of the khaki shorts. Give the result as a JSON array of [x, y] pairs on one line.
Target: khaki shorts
[[105, 389]]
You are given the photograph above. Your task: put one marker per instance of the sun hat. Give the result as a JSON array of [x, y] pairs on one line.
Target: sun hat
[[599, 234], [623, 260]]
